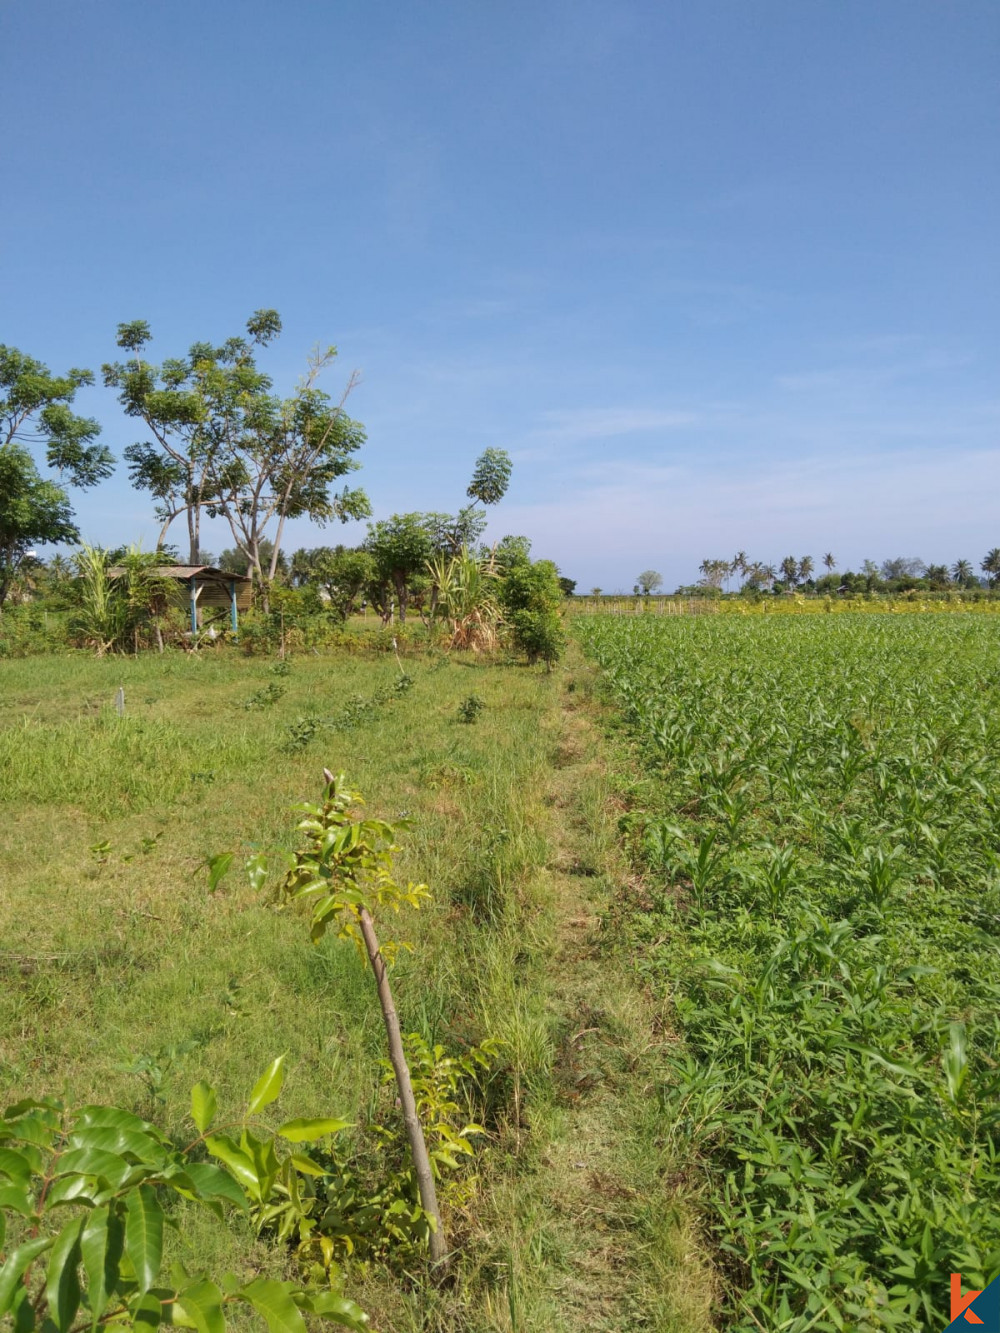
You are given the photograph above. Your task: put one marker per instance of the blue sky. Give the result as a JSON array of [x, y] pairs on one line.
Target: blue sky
[[718, 275]]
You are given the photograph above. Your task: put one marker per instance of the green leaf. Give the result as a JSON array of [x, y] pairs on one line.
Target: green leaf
[[146, 1314], [101, 1243], [218, 868], [242, 1166], [331, 1306], [13, 1269], [17, 1198], [268, 1086], [211, 1182], [202, 1303], [301, 1131], [203, 1106], [271, 1299], [144, 1235], [62, 1278], [110, 1117], [15, 1166], [257, 868]]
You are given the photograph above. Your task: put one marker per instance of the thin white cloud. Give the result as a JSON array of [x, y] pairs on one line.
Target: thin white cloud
[[595, 423]]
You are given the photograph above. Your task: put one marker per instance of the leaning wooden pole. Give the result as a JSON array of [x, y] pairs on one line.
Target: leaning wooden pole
[[407, 1102]]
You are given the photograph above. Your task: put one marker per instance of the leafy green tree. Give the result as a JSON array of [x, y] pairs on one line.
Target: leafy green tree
[[33, 512], [568, 586], [400, 547], [341, 572], [36, 408], [990, 565], [508, 551], [962, 573], [530, 597], [937, 576], [649, 581], [226, 444], [790, 571], [449, 533], [490, 477]]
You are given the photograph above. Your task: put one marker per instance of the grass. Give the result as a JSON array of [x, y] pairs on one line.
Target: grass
[[125, 980]]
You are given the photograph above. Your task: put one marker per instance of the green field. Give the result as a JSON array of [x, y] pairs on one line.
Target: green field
[[125, 980], [815, 807]]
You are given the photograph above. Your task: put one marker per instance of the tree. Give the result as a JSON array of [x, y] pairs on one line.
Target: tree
[[568, 585], [990, 565], [400, 547], [490, 477], [35, 407], [902, 567], [790, 571], [738, 564], [961, 572], [341, 572], [33, 512], [829, 560], [805, 568], [937, 576], [530, 597], [650, 581], [227, 444]]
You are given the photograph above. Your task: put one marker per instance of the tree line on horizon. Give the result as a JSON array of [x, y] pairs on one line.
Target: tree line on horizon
[[219, 441]]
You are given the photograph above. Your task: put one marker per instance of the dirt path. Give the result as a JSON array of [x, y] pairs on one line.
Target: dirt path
[[608, 1256]]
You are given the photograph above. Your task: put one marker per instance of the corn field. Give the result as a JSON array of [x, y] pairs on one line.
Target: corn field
[[817, 816]]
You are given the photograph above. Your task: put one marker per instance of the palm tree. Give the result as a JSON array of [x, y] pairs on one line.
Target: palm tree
[[961, 572], [937, 576], [739, 565], [991, 565], [830, 561], [805, 568], [790, 570], [769, 574]]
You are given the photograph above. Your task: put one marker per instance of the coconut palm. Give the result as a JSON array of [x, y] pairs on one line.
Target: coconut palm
[[990, 565], [790, 570], [937, 576], [806, 568], [739, 564], [830, 561], [961, 572]]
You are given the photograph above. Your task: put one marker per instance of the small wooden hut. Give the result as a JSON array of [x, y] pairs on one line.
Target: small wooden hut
[[208, 589]]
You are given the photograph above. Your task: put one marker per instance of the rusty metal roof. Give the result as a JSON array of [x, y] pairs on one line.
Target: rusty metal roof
[[185, 572]]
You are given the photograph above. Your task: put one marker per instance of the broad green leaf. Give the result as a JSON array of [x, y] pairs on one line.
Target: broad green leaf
[[101, 1243], [257, 870], [203, 1106], [211, 1182], [301, 1131], [14, 1267], [268, 1086], [95, 1162], [117, 1139], [242, 1166], [110, 1117], [331, 1306], [306, 1165], [17, 1198], [218, 868], [62, 1277], [202, 1303], [271, 1299], [144, 1235], [70, 1189], [15, 1166], [147, 1313]]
